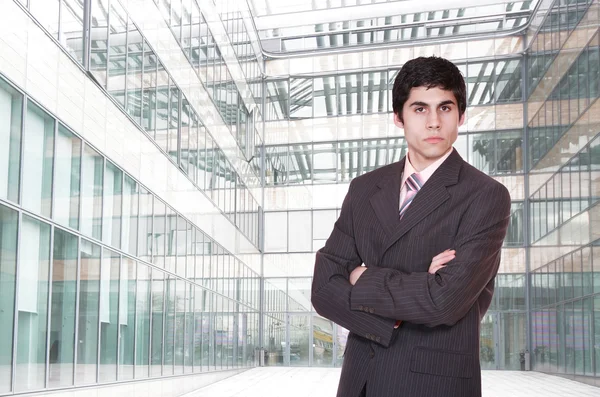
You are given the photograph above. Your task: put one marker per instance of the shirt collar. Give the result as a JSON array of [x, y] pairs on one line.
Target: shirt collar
[[427, 172]]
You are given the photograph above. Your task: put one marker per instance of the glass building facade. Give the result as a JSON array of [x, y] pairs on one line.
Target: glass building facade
[[169, 168]]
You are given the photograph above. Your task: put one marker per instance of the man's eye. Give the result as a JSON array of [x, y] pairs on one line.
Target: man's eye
[[445, 108], [419, 110]]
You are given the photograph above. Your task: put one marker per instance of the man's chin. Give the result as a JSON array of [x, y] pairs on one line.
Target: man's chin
[[436, 154]]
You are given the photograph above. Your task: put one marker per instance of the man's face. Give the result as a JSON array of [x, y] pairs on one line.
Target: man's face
[[430, 124]]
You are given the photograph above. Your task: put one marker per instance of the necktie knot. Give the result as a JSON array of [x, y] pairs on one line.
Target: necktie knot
[[413, 185], [414, 182]]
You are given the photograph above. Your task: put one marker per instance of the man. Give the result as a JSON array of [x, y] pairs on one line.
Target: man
[[428, 230]]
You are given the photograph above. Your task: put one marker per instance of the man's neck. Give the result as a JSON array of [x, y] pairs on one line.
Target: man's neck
[[421, 165]]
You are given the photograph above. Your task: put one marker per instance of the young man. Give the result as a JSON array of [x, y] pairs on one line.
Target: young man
[[428, 231]]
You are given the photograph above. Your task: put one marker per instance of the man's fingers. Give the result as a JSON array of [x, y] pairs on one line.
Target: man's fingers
[[434, 269], [447, 252], [442, 259]]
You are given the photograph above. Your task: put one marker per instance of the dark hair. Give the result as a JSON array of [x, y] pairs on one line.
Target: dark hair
[[428, 72]]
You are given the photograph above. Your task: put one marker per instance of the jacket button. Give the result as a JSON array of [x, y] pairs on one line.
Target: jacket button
[[371, 310], [378, 339], [366, 309], [360, 307]]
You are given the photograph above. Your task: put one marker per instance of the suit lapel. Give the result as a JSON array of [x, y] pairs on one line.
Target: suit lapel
[[385, 201], [431, 196]]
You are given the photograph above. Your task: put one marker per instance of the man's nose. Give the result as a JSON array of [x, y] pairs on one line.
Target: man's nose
[[433, 121]]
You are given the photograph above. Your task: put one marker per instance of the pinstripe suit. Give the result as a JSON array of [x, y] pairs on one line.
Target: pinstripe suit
[[435, 352]]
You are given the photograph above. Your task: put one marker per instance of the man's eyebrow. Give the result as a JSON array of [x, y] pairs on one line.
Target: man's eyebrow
[[423, 104], [419, 103]]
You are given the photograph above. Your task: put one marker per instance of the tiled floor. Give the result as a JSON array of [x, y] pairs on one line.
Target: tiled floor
[[319, 382]]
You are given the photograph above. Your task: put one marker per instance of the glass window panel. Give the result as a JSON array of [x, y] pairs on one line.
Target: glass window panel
[[276, 165], [99, 40], [149, 91], [348, 160], [206, 329], [192, 162], [207, 253], [301, 97], [62, 315], [38, 152], [180, 298], [108, 285], [349, 95], [8, 268], [300, 231], [130, 215], [190, 252], [300, 165], [299, 294], [171, 240], [67, 169], [210, 158], [188, 353], [277, 100], [145, 236], [374, 154], [71, 27], [322, 342], [157, 299], [324, 162], [46, 12], [578, 336], [192, 36], [113, 187], [142, 319], [127, 308], [135, 58], [32, 303], [198, 252], [174, 117], [87, 319], [323, 222], [276, 229], [374, 92], [162, 108], [91, 193], [509, 81], [117, 52], [299, 328], [596, 320], [169, 348], [11, 107], [324, 96], [158, 243], [181, 245], [587, 336], [201, 178], [482, 152]]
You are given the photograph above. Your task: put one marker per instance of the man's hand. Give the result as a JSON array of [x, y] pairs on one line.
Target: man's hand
[[440, 260], [437, 263], [356, 273]]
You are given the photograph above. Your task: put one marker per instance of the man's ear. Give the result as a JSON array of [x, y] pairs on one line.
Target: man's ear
[[398, 122]]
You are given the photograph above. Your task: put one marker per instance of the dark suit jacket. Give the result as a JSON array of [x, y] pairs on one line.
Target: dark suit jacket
[[435, 352]]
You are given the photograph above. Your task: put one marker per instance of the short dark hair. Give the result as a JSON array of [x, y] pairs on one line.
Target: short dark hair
[[428, 72]]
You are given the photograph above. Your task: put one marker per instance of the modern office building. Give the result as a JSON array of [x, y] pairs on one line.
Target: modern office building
[[168, 169]]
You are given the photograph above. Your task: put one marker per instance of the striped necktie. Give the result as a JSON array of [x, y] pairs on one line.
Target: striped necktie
[[413, 185]]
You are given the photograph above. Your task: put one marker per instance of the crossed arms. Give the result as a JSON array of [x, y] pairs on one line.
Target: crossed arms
[[381, 295]]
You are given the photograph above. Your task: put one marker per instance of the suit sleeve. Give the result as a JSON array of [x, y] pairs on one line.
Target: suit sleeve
[[331, 289], [447, 296]]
